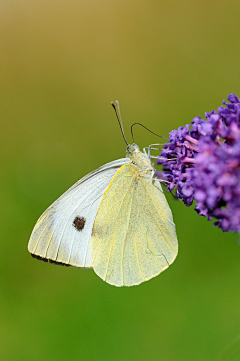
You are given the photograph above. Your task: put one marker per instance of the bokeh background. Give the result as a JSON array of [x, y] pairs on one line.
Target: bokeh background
[[61, 63]]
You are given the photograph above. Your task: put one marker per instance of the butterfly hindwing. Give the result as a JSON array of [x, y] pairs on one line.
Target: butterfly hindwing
[[134, 237], [63, 233]]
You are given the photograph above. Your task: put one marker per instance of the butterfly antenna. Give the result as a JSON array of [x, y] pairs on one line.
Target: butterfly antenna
[[118, 115], [145, 128]]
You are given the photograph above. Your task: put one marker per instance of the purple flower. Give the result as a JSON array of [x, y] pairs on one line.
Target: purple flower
[[202, 162]]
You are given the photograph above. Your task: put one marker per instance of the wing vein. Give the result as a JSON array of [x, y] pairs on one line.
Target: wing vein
[[153, 214], [124, 243], [112, 227], [135, 242]]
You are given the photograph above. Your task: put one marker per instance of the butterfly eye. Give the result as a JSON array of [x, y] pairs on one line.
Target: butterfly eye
[[131, 148], [79, 223]]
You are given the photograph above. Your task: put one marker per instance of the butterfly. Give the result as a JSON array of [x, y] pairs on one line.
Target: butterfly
[[115, 220]]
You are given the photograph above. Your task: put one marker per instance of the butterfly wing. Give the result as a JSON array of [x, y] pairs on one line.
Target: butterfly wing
[[134, 237], [63, 232]]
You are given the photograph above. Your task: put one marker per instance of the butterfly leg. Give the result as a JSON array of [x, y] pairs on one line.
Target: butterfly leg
[[146, 151]]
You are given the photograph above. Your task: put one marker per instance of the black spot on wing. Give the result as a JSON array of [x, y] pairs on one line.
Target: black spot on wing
[[79, 223]]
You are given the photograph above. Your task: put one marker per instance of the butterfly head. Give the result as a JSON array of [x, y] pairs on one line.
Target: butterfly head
[[139, 159], [131, 149]]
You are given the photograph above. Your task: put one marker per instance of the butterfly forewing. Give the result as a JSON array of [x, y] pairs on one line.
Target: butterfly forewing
[[134, 237], [63, 233]]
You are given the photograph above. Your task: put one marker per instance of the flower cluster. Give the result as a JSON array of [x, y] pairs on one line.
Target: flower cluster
[[202, 161]]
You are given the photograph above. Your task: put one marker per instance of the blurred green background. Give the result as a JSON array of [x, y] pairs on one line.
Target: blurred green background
[[61, 63]]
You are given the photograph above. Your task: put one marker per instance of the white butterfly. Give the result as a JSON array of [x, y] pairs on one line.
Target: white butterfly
[[115, 220]]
